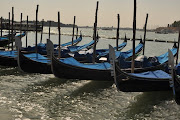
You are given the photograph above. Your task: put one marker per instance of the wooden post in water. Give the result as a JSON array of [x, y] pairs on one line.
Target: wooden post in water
[[26, 31], [42, 30], [9, 27], [59, 31], [117, 35], [178, 48], [134, 37], [20, 26], [1, 25], [12, 36], [49, 29], [36, 28], [145, 33], [95, 32], [73, 29], [76, 32]]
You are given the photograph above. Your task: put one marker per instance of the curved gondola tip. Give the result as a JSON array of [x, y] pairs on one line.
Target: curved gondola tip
[[175, 45], [141, 41], [80, 33], [125, 39]]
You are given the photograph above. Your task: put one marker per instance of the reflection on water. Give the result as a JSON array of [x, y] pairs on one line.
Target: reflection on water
[[144, 103], [93, 87]]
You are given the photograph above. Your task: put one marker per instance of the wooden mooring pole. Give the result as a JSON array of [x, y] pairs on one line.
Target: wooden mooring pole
[[12, 32], [49, 30], [59, 31], [73, 29], [178, 48], [20, 26], [145, 33], [9, 27], [26, 31], [1, 25], [95, 36], [42, 30], [117, 35], [134, 37], [36, 29], [76, 32]]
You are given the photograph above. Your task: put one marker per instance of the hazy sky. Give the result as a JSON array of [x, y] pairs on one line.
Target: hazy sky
[[161, 12]]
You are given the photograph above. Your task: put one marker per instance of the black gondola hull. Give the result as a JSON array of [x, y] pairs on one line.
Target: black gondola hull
[[4, 43], [127, 83], [31, 66], [62, 70], [134, 85], [8, 61]]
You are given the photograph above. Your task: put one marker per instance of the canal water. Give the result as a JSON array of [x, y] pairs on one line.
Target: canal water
[[25, 96]]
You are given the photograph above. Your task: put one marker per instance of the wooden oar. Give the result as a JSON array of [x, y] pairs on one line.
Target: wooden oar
[[117, 35], [59, 31], [134, 37], [145, 33], [73, 29]]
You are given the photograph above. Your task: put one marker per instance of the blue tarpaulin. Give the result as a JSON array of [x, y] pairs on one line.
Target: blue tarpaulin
[[99, 66], [78, 48], [129, 53], [153, 74]]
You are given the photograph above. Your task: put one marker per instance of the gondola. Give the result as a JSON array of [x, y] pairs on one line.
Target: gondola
[[9, 35], [104, 52], [42, 46], [75, 42], [86, 56], [35, 62], [87, 46], [7, 58], [76, 70], [149, 81], [128, 54], [157, 80], [5, 39], [70, 68]]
